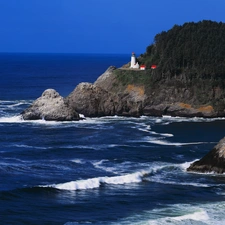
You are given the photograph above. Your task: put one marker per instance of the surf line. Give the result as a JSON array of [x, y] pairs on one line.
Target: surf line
[[97, 182]]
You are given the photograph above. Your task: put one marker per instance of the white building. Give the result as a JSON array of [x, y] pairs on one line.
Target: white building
[[133, 63], [142, 67]]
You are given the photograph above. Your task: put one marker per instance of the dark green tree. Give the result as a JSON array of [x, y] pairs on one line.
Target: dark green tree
[[196, 50]]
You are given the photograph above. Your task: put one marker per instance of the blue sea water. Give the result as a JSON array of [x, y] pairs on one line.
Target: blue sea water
[[109, 170]]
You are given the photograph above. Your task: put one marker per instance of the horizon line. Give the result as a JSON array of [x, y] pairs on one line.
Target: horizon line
[[71, 53]]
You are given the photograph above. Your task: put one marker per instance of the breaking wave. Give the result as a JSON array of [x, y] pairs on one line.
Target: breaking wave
[[12, 119], [163, 142], [97, 182]]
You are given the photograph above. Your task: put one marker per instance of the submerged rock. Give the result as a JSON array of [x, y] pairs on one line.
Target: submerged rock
[[50, 106], [214, 161]]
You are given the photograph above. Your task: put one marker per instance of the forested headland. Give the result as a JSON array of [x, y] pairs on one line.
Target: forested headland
[[189, 80], [195, 50]]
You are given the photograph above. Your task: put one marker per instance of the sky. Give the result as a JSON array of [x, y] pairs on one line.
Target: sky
[[96, 26]]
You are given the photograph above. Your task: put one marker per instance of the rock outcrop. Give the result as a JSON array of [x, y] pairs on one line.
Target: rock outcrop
[[214, 161], [103, 99], [179, 109], [106, 80], [50, 106], [91, 100], [185, 83], [123, 92]]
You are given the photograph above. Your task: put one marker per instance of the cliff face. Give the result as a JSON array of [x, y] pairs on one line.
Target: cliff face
[[110, 95], [214, 161], [133, 93], [103, 98], [189, 80], [50, 106], [125, 92]]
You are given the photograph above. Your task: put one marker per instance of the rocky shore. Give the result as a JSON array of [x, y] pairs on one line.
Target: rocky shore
[[214, 161], [109, 96], [50, 106]]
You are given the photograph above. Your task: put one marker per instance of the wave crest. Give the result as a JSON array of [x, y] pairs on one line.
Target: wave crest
[[97, 182]]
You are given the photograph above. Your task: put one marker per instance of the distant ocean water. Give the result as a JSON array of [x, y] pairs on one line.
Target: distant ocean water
[[110, 170]]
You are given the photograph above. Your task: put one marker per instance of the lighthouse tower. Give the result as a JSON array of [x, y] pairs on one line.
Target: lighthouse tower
[[133, 63]]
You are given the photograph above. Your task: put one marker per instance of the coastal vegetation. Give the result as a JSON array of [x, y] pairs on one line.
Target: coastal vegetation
[[195, 50], [133, 76], [190, 63], [188, 81]]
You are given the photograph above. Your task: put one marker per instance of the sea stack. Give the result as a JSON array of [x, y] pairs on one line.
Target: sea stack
[[214, 161], [50, 106]]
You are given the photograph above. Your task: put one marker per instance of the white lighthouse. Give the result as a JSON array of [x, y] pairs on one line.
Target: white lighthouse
[[133, 63]]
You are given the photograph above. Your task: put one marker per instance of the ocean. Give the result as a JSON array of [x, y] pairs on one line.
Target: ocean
[[109, 170]]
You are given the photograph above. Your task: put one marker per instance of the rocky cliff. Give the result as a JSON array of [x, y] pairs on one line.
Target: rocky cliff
[[103, 98], [50, 106], [189, 81], [214, 161], [110, 96], [125, 92]]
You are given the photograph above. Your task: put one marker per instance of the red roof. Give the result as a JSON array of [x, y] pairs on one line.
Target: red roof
[[153, 67], [143, 66]]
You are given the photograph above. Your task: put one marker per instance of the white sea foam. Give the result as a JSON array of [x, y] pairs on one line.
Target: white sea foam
[[82, 116], [5, 101], [98, 163], [110, 167], [147, 128], [13, 104], [142, 129], [179, 214], [163, 142], [162, 134], [186, 119], [179, 183], [185, 165], [166, 120], [19, 119], [16, 104], [197, 216], [155, 133], [158, 120], [97, 182], [29, 146], [78, 161], [105, 165], [192, 218], [150, 173], [12, 119], [163, 173]]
